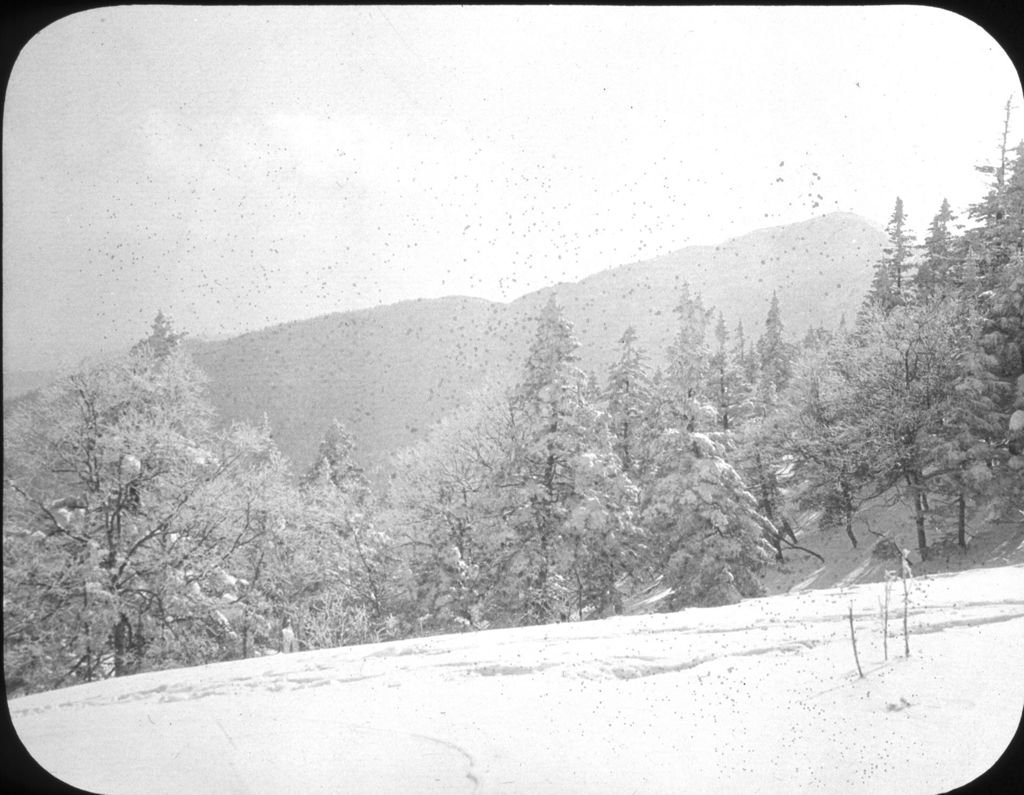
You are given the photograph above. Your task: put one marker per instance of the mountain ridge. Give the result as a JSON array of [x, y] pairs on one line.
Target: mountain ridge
[[389, 372]]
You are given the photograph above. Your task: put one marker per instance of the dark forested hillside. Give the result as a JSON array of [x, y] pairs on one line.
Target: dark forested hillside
[[388, 373]]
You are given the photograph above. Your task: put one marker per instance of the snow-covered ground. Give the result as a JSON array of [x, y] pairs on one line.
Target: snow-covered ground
[[760, 697]]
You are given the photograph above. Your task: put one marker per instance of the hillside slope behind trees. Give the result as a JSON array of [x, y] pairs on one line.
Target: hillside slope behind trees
[[390, 372]]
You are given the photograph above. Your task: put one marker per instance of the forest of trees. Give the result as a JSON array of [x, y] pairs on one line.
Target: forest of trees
[[139, 534]]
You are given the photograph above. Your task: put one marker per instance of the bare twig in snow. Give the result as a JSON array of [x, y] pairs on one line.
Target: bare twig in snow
[[853, 640]]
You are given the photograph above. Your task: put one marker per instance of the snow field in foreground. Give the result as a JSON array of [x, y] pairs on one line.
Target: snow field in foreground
[[762, 696]]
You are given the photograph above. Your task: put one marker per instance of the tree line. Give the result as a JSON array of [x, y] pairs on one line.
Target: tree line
[[139, 535]]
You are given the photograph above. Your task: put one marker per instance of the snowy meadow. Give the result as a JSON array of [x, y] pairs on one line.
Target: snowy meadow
[[761, 696]]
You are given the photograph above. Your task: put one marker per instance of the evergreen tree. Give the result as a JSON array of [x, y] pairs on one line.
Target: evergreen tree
[[762, 467], [996, 262], [564, 498], [1001, 211], [936, 268], [607, 545], [745, 358], [688, 361], [162, 338], [705, 529], [629, 401], [335, 461], [727, 389], [705, 526], [834, 461], [760, 461], [1002, 339], [962, 448], [891, 284], [816, 338], [1003, 323], [903, 371], [774, 354]]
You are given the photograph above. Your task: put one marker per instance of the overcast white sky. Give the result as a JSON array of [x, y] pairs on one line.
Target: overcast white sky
[[239, 167]]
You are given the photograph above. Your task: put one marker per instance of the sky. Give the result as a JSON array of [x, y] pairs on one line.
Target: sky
[[238, 167]]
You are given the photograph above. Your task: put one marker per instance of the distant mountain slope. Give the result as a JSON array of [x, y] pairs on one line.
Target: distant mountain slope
[[821, 269], [388, 373], [385, 372], [21, 382]]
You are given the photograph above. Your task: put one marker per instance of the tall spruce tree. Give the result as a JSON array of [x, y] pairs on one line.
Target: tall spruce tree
[[745, 356], [162, 338], [706, 532], [688, 359], [564, 498], [999, 245], [759, 459], [705, 528], [726, 388], [774, 353], [628, 397], [1001, 211], [936, 269], [891, 285], [996, 252], [964, 446]]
